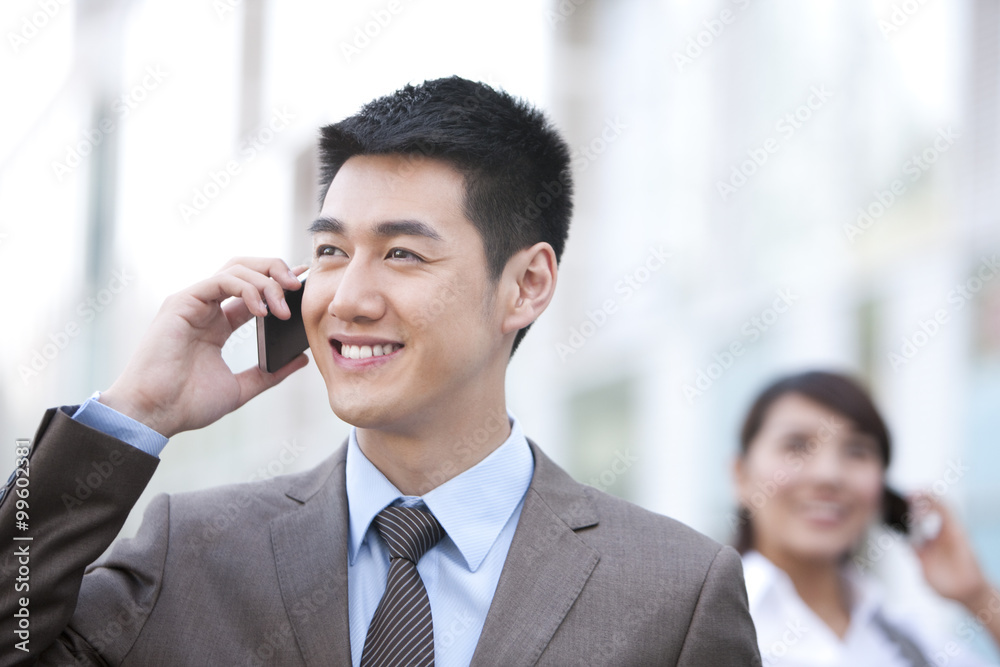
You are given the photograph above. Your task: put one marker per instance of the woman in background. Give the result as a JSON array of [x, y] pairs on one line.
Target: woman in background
[[811, 482]]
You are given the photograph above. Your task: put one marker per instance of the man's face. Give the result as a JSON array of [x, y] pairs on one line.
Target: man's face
[[398, 308]]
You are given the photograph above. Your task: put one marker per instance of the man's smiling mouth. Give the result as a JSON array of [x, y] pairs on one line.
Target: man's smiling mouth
[[364, 351]]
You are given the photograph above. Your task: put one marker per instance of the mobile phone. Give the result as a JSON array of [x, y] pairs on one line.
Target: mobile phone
[[279, 341], [925, 528]]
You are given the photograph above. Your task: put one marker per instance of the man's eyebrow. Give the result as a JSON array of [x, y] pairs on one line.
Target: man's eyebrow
[[406, 228], [329, 225], [387, 229]]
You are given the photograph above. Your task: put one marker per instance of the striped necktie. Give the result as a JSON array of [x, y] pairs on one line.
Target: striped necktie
[[401, 632]]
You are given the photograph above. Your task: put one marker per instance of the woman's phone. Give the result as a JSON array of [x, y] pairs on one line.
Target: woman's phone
[[280, 341], [925, 525]]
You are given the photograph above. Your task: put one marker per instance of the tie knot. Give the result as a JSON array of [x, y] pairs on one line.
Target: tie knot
[[408, 532]]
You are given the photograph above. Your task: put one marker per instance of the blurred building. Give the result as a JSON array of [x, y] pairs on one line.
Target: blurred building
[[825, 178]]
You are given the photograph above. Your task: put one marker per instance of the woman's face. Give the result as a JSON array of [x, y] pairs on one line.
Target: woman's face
[[811, 482]]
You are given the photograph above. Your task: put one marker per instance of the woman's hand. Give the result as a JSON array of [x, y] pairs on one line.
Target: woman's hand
[[950, 565]]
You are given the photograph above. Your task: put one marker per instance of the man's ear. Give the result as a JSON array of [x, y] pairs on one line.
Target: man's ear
[[527, 285]]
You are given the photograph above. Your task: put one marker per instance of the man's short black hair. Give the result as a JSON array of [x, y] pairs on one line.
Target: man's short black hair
[[518, 187]]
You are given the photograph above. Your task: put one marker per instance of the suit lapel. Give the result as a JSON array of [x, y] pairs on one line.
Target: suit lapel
[[310, 553], [545, 571]]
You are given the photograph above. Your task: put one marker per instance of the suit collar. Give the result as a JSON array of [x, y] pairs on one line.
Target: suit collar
[[546, 568], [304, 485], [545, 571], [473, 507], [566, 497], [314, 589]]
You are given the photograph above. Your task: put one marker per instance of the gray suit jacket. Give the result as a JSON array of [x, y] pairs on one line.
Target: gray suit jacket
[[257, 573]]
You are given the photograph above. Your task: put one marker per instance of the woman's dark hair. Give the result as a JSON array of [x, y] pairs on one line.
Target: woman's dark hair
[[844, 396]]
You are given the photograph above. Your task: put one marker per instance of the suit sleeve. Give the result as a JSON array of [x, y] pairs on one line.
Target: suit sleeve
[[721, 631], [80, 487]]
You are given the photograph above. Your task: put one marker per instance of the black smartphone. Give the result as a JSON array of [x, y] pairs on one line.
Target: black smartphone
[[279, 341]]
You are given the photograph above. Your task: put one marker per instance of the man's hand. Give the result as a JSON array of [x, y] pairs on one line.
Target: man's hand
[[177, 380]]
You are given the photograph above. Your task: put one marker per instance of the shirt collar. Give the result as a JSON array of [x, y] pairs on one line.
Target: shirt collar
[[867, 595], [764, 579], [472, 507]]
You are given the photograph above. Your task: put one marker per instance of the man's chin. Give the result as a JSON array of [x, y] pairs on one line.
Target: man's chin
[[359, 414]]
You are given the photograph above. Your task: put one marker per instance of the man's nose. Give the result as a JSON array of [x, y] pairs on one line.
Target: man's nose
[[357, 297]]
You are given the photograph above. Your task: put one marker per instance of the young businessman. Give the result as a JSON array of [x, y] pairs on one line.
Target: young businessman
[[445, 209]]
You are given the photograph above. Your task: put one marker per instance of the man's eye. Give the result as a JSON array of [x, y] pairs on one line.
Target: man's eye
[[399, 253], [328, 251]]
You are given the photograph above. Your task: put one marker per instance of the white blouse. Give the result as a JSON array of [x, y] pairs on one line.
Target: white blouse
[[790, 634]]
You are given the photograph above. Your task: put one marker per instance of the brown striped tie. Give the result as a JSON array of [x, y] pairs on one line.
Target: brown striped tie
[[401, 632]]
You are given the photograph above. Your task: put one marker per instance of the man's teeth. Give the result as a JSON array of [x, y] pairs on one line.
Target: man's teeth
[[365, 351]]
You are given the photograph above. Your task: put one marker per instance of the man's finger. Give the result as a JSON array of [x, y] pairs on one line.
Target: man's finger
[[267, 266], [236, 313], [253, 381], [221, 286], [270, 289]]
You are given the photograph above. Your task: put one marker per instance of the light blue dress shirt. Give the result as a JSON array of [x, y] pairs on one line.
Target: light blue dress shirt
[[107, 420], [478, 509]]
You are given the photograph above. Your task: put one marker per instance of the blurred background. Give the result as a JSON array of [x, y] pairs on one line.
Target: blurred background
[[763, 187]]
